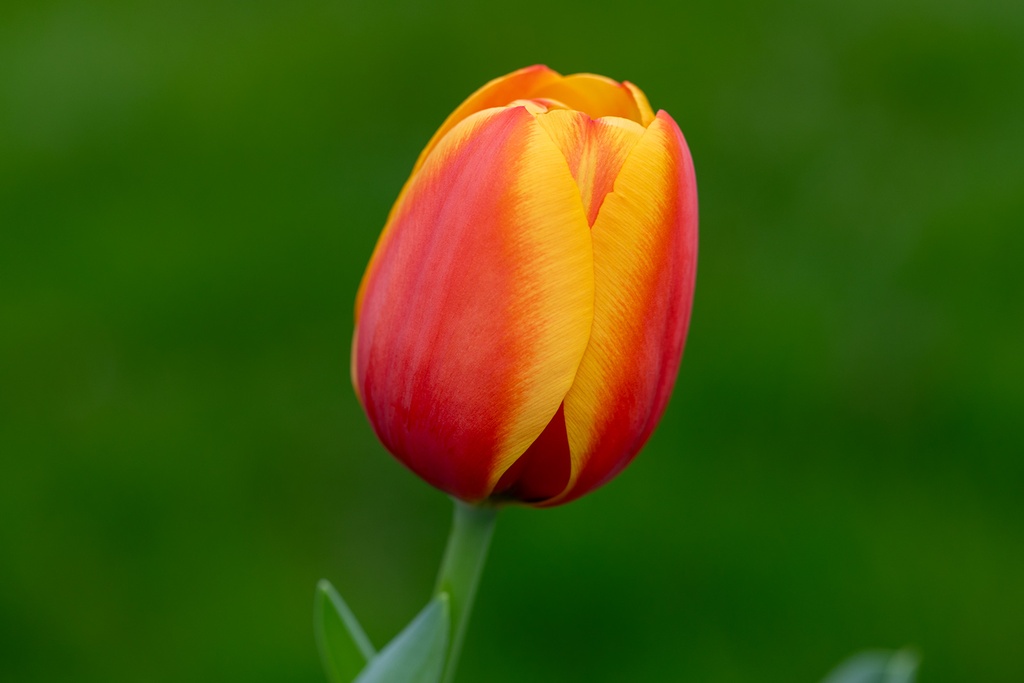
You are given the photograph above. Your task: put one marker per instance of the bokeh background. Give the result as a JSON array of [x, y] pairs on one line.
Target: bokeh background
[[189, 191]]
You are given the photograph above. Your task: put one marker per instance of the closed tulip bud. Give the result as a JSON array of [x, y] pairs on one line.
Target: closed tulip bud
[[520, 324]]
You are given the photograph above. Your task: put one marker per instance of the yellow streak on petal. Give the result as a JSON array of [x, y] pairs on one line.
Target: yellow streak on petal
[[550, 239]]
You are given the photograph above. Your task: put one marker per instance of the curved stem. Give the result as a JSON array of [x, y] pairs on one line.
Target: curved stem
[[463, 562]]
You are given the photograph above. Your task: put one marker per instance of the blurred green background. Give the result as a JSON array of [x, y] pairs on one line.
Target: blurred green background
[[189, 191]]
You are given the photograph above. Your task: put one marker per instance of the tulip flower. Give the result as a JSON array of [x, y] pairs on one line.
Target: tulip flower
[[520, 324]]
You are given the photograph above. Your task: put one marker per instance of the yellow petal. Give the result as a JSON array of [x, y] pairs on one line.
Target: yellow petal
[[594, 95], [642, 105]]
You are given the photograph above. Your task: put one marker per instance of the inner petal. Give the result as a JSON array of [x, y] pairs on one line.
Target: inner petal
[[596, 95], [595, 150]]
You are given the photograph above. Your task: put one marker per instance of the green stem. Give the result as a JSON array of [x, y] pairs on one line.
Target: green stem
[[463, 562]]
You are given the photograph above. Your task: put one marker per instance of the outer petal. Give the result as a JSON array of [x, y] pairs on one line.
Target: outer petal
[[478, 307], [645, 256]]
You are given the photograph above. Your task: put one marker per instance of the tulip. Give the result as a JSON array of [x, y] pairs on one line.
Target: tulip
[[521, 321]]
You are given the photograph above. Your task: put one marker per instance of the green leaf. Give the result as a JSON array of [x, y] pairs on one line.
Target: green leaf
[[417, 654], [876, 667], [344, 648]]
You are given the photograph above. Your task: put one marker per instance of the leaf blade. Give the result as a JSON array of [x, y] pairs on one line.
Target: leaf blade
[[417, 654], [344, 647]]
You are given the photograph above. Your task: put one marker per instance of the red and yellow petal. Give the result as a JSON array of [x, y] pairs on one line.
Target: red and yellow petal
[[477, 307], [645, 251]]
